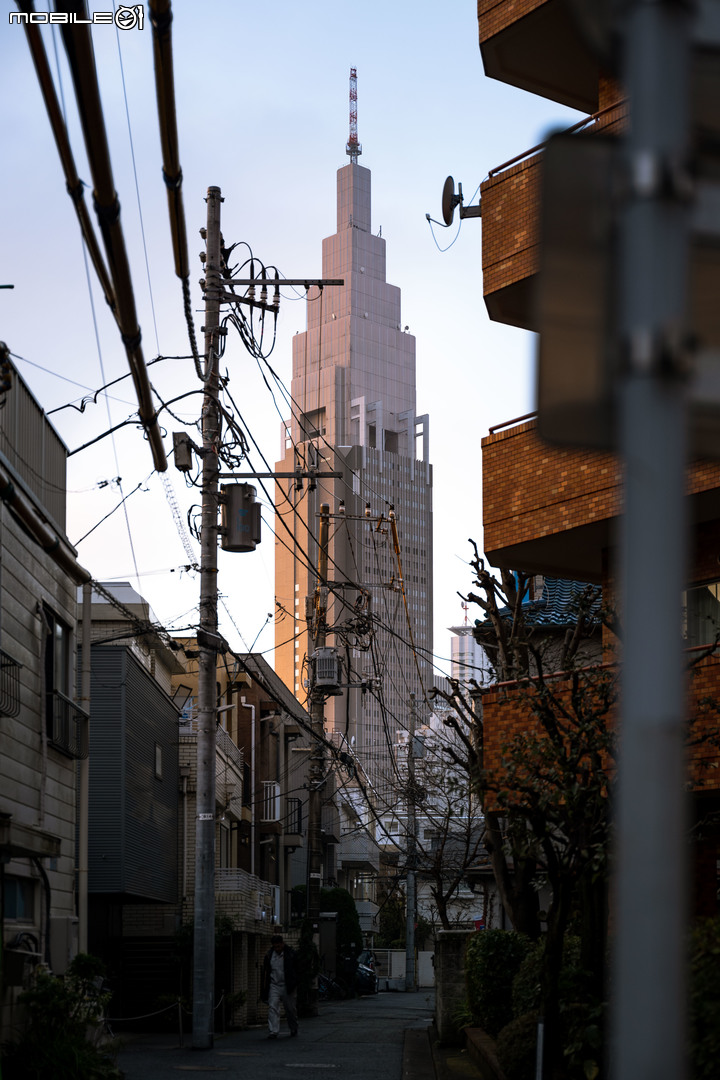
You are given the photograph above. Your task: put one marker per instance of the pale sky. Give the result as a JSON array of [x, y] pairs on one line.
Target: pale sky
[[262, 99]]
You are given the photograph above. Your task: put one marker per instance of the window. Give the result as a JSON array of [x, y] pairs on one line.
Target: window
[[701, 614], [18, 899], [313, 424], [64, 721], [224, 846], [158, 761], [271, 801]]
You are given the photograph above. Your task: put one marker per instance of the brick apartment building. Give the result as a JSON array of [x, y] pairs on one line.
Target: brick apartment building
[[555, 510]]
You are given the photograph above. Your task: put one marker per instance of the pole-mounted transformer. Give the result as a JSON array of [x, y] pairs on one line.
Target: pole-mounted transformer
[[240, 528]]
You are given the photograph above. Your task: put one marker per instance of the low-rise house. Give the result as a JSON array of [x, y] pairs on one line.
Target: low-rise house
[[261, 817], [133, 799], [42, 725]]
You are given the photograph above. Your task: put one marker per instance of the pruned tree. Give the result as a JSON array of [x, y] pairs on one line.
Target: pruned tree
[[449, 829], [547, 801], [450, 846]]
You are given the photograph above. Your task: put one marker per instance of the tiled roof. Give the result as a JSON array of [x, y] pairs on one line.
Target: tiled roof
[[558, 605]]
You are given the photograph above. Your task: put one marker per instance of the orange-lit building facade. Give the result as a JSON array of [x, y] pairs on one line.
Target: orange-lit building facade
[[554, 510]]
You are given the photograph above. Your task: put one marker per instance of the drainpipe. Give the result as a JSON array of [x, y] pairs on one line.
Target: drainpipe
[[283, 819], [184, 774], [84, 775], [252, 783]]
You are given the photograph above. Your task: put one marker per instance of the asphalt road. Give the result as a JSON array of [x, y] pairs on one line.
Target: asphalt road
[[364, 1039]]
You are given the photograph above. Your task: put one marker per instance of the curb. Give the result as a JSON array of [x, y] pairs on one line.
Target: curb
[[418, 1063]]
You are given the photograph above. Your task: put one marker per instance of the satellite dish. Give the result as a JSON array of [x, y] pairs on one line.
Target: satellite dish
[[449, 200]]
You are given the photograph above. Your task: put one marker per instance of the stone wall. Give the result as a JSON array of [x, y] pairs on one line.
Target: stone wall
[[450, 994]]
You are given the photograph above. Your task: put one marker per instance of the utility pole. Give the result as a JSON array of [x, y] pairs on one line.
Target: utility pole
[[204, 931], [317, 611], [207, 638], [650, 939], [411, 911]]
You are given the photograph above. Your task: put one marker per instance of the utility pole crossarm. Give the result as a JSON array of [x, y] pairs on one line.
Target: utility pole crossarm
[[223, 297], [311, 474], [267, 282]]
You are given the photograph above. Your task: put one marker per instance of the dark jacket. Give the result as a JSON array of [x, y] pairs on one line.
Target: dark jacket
[[290, 967]]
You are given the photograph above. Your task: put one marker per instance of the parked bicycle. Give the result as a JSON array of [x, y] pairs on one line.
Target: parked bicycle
[[329, 989]]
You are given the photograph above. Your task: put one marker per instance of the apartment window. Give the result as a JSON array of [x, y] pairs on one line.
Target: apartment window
[[701, 614], [158, 761], [271, 801], [64, 721], [19, 899], [224, 846]]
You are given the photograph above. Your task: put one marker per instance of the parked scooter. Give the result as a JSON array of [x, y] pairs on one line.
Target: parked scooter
[[366, 980]]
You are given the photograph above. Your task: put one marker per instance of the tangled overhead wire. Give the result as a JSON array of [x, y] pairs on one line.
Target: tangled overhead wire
[[234, 447], [248, 315]]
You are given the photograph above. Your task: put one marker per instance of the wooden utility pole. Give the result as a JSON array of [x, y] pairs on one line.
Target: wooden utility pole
[[411, 910], [208, 639], [317, 609], [204, 931]]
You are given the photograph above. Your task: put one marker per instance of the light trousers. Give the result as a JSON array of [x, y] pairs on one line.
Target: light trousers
[[279, 996]]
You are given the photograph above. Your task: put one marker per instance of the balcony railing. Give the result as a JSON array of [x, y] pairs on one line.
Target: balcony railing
[[228, 747], [262, 897], [9, 685], [586, 122], [67, 725], [359, 849]]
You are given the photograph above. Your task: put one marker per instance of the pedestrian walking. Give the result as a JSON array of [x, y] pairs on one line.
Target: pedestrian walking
[[279, 985]]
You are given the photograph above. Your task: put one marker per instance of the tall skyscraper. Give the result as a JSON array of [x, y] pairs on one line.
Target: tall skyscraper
[[354, 411]]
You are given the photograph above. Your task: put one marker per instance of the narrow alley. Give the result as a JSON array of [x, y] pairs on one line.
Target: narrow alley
[[386, 1037]]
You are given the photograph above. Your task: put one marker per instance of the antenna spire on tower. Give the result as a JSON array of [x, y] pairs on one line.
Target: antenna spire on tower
[[353, 148]]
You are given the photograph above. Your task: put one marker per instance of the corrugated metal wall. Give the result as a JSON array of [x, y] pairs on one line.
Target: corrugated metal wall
[[133, 812], [34, 449]]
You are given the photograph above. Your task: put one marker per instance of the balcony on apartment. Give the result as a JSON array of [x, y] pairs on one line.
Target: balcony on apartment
[[553, 510], [535, 45], [255, 900], [506, 710], [358, 850], [510, 199]]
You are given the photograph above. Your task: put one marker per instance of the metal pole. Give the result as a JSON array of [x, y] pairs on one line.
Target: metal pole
[[84, 774], [316, 771], [411, 910], [204, 934], [649, 997]]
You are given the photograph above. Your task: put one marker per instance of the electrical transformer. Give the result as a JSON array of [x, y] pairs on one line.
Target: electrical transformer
[[240, 518], [327, 668]]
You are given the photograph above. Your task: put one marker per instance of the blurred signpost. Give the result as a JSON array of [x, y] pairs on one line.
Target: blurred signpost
[[629, 360]]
